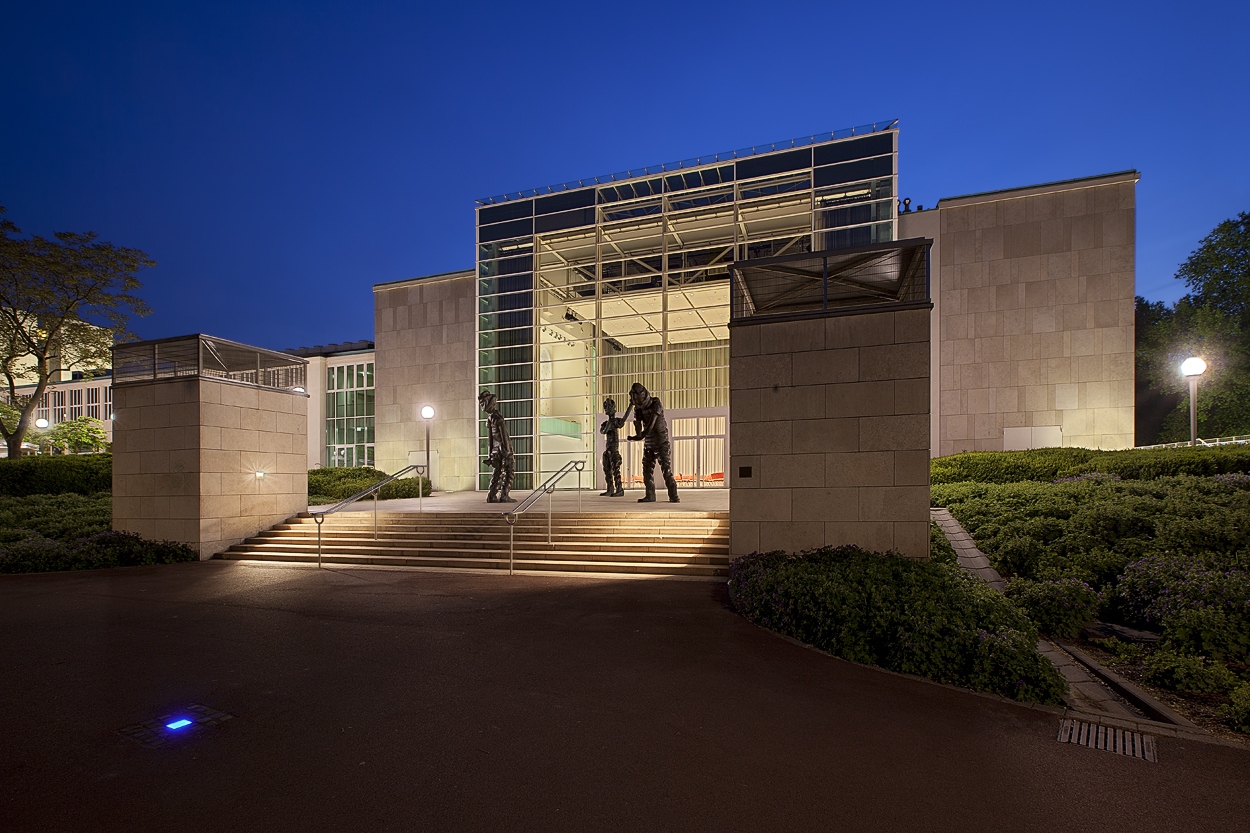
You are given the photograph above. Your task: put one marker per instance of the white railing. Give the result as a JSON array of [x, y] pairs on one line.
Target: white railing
[[1239, 440]]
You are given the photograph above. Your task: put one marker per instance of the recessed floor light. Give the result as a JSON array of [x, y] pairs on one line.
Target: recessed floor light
[[170, 727]]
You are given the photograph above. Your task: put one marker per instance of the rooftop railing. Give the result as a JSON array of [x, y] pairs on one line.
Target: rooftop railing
[[207, 357], [694, 162]]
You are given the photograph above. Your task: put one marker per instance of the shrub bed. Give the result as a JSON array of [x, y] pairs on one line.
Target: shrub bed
[[82, 474], [37, 554], [1059, 607], [924, 618], [1170, 554], [42, 533], [330, 485]]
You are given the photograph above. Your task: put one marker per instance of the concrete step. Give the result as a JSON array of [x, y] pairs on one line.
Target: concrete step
[[451, 550], [496, 563], [558, 538]]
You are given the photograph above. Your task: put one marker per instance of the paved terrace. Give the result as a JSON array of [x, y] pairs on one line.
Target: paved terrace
[[398, 700]]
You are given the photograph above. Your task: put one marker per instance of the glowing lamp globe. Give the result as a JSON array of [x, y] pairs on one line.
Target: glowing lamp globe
[[427, 412], [41, 423], [1193, 367]]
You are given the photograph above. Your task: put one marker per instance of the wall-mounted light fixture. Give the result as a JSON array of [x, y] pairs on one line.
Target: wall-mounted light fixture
[[260, 475], [1192, 368]]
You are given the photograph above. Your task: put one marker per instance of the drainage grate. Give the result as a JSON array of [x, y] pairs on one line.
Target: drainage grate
[[1109, 739], [156, 733]]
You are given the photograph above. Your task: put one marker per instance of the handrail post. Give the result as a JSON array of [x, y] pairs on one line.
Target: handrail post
[[320, 519], [511, 543], [375, 514], [551, 496]]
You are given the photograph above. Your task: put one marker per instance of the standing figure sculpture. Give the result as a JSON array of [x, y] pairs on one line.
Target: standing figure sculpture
[[651, 427], [610, 429], [499, 450]]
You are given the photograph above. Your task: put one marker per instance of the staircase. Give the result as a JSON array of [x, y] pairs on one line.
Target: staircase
[[692, 544]]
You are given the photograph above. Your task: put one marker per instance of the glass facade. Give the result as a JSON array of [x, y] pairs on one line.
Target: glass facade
[[583, 292], [349, 415]]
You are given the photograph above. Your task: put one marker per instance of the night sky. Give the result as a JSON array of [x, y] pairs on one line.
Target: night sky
[[278, 159]]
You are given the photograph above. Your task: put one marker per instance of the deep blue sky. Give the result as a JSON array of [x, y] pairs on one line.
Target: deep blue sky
[[277, 159]]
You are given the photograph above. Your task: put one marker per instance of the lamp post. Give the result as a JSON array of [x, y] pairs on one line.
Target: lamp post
[[1192, 368], [427, 413]]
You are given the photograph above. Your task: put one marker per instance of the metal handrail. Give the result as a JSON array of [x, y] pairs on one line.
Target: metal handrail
[[320, 517], [548, 488]]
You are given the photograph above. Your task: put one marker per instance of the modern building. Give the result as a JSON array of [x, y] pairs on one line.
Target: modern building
[[582, 288]]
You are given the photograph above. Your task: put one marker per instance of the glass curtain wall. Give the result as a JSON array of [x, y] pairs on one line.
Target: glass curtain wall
[[584, 292], [349, 415]]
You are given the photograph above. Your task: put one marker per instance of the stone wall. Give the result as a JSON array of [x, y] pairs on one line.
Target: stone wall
[[829, 436], [1035, 289], [186, 455], [425, 334]]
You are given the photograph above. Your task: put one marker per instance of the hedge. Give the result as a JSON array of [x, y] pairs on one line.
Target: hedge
[[37, 554], [1049, 464], [83, 474], [328, 485], [925, 618]]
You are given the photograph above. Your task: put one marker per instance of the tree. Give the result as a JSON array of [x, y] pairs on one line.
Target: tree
[[63, 302], [1212, 321], [81, 434]]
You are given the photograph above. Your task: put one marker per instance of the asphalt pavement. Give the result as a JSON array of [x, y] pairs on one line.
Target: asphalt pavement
[[378, 700]]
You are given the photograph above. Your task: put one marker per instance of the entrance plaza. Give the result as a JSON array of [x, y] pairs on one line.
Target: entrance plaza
[[402, 700]]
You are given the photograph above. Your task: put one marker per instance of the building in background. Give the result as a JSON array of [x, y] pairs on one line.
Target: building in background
[[342, 426]]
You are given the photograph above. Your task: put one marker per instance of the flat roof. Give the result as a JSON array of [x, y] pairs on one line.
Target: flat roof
[[698, 161], [1044, 187], [446, 276]]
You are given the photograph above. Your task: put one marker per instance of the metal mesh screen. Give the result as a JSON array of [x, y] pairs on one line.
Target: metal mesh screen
[[833, 279]]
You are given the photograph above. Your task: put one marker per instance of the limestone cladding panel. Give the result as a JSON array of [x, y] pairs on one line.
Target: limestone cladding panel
[[425, 354], [831, 419], [186, 456], [1036, 315]]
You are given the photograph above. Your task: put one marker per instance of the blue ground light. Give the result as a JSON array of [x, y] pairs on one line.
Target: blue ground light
[[178, 724]]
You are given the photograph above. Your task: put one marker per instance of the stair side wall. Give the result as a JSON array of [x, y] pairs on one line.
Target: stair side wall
[[207, 463], [829, 436]]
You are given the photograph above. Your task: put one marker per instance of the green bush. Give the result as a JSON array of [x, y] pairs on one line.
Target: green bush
[[58, 517], [329, 485], [1237, 712], [940, 548], [1192, 675], [1006, 466], [1059, 607], [37, 554], [83, 474], [925, 618], [1208, 632], [1049, 464]]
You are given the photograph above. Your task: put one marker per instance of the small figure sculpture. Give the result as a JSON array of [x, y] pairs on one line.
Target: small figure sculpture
[[612, 447], [651, 427], [499, 450]]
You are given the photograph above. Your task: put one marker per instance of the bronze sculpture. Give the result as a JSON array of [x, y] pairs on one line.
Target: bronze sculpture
[[651, 427], [612, 447], [499, 450]]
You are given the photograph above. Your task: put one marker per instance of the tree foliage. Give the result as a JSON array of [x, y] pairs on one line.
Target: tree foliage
[[75, 435], [63, 302], [1212, 321]]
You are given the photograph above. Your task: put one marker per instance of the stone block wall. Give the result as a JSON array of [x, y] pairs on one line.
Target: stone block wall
[[186, 454], [1035, 289], [425, 337], [829, 435]]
